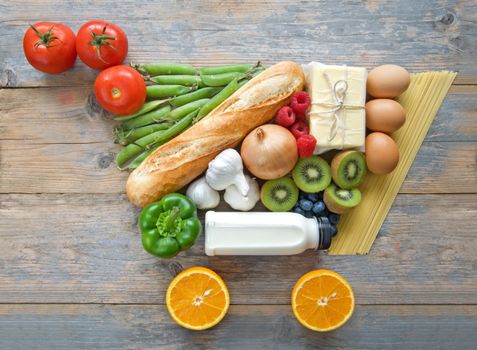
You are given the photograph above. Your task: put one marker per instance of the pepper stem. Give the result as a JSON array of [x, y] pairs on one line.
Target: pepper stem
[[171, 219]]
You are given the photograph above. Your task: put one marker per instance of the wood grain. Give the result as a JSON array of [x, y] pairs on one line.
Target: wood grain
[[420, 36], [73, 327], [86, 249]]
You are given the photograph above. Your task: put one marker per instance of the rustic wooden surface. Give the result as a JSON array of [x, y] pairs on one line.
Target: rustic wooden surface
[[73, 274]]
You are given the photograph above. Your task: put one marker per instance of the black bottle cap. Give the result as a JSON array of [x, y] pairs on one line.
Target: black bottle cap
[[326, 233]]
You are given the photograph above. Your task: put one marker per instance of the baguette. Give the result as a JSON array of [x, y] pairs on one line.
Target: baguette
[[176, 163]]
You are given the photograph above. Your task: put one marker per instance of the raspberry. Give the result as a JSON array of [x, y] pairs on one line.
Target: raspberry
[[299, 129], [300, 117], [306, 145], [300, 102], [285, 117]]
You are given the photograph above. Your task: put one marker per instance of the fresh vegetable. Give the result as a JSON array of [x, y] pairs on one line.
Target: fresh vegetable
[[120, 90], [300, 102], [165, 68], [299, 129], [158, 137], [226, 169], [101, 44], [306, 145], [220, 79], [285, 117], [140, 158], [206, 92], [187, 80], [124, 137], [50, 47], [162, 91], [146, 107], [269, 151], [203, 196], [218, 99], [154, 116], [238, 201], [169, 226], [182, 111], [197, 298], [330, 297], [241, 68]]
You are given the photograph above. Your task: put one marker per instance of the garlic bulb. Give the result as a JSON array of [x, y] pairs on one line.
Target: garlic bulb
[[227, 169], [202, 194], [240, 202]]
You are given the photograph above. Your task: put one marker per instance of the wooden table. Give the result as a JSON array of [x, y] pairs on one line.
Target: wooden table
[[73, 273]]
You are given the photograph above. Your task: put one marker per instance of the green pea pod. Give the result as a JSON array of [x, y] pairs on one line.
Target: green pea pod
[[146, 119], [162, 91], [218, 99], [206, 92], [146, 107], [140, 158], [187, 80], [184, 110], [220, 79], [158, 137], [241, 68], [166, 68], [169, 226], [124, 137]]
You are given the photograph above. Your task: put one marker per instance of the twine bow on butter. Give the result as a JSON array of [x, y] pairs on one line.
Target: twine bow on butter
[[338, 92]]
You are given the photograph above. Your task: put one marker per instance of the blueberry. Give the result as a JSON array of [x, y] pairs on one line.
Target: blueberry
[[309, 214], [298, 210], [334, 218], [305, 204], [312, 197], [302, 195], [318, 207], [334, 231]]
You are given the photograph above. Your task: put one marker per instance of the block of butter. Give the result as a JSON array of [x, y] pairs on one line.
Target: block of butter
[[338, 95]]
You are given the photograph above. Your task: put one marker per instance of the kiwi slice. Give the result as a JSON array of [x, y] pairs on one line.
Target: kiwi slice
[[279, 194], [348, 169], [312, 174], [339, 200]]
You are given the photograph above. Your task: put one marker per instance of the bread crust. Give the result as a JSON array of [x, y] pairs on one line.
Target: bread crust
[[176, 163]]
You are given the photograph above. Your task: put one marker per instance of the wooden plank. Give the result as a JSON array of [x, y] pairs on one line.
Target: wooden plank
[[30, 167], [259, 327], [418, 35], [86, 249], [61, 142], [71, 115]]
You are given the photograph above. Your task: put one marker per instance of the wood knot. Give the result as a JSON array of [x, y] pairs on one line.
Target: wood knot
[[8, 77], [447, 18], [94, 109], [105, 160]]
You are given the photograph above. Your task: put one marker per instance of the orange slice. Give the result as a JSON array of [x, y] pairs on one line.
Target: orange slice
[[322, 300], [197, 298]]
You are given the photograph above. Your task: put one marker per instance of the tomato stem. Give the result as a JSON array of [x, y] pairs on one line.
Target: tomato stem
[[100, 40], [45, 38]]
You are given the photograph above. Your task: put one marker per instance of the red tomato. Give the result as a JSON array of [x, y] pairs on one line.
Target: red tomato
[[120, 90], [101, 44], [50, 47]]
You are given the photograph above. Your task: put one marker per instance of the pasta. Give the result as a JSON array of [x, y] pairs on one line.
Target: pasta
[[359, 227]]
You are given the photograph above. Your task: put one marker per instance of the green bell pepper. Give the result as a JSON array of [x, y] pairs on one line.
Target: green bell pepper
[[169, 226]]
